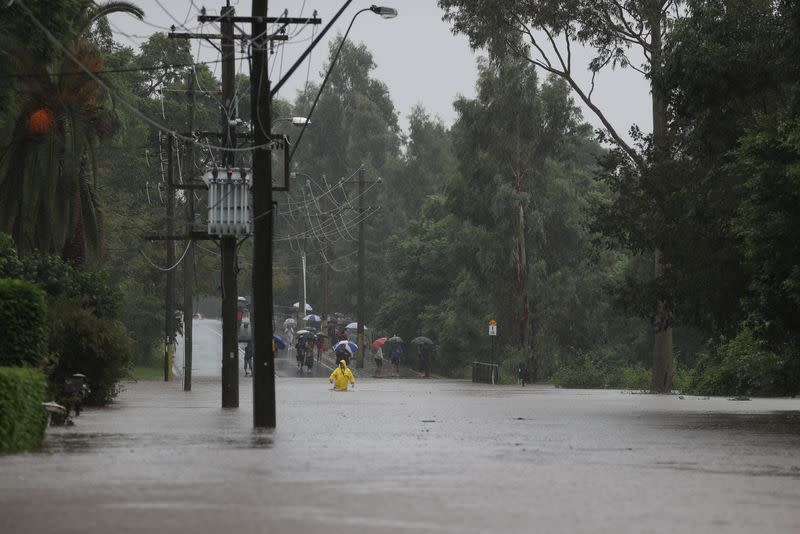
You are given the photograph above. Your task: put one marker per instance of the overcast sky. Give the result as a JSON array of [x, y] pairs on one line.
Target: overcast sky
[[416, 54]]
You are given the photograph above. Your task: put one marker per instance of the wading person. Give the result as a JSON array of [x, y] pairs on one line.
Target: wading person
[[341, 376]]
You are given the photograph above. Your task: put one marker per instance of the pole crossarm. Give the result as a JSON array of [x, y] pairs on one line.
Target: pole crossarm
[[197, 185], [194, 234], [257, 20], [241, 37]]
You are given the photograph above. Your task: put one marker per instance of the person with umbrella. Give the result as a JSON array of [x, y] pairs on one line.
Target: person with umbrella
[[344, 350], [424, 348], [300, 354], [395, 353], [377, 355]]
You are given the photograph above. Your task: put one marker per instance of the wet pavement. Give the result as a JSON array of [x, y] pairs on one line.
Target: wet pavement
[[411, 456]]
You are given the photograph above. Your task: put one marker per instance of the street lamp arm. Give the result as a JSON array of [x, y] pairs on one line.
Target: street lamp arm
[[382, 11], [277, 86]]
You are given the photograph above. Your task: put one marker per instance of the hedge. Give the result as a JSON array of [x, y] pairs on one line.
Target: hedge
[[23, 322], [98, 348], [22, 418]]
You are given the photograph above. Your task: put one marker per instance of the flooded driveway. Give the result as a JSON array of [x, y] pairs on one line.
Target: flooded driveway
[[412, 456]]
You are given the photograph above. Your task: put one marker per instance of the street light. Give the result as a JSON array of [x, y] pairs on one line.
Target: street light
[[296, 121], [384, 12]]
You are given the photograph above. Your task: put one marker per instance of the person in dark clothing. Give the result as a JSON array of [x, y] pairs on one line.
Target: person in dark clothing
[[300, 352], [248, 359], [395, 353], [425, 360], [343, 353]]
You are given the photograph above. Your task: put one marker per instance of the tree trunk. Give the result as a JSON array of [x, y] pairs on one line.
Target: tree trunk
[[662, 339], [74, 251], [522, 258]]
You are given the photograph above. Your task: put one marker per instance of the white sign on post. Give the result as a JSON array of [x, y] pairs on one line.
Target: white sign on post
[[492, 328]]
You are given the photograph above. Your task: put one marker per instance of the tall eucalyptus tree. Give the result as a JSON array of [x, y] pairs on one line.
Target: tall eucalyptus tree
[[544, 33]]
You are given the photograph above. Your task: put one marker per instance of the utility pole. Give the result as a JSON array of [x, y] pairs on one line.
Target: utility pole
[[230, 339], [169, 298], [188, 262], [263, 216], [361, 269]]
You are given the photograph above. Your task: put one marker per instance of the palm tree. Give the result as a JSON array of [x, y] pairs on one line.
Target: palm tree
[[47, 169]]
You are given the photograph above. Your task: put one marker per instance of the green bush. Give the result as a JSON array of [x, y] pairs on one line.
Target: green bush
[[23, 323], [59, 279], [144, 317], [22, 418], [637, 377], [99, 348], [584, 373], [740, 366]]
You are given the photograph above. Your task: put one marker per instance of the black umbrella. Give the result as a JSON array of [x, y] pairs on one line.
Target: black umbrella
[[395, 339], [421, 340]]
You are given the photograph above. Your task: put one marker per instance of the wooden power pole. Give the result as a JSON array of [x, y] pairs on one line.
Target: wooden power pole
[[188, 262], [169, 297], [230, 338], [264, 357]]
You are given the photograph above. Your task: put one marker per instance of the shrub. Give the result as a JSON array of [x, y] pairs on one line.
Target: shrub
[[23, 322], [59, 279], [636, 377], [144, 317], [99, 348], [584, 373], [740, 366], [22, 418]]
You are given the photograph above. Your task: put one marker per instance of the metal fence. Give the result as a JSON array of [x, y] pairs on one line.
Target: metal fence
[[487, 373]]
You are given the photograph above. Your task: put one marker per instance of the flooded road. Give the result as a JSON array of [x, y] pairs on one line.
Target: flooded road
[[207, 355], [412, 456]]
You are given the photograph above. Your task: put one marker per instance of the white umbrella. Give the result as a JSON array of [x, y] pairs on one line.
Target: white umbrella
[[296, 305], [354, 326]]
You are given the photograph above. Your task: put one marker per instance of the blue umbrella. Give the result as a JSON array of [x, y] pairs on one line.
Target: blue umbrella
[[313, 318], [349, 346], [279, 342]]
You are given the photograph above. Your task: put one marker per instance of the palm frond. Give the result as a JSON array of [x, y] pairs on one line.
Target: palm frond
[[102, 10]]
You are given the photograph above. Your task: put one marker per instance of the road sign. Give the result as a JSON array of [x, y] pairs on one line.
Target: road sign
[[492, 322], [492, 329]]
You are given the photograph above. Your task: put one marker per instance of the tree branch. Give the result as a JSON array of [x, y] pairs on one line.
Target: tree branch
[[529, 33], [637, 69], [625, 147], [625, 32], [594, 73], [555, 49], [569, 50], [521, 53]]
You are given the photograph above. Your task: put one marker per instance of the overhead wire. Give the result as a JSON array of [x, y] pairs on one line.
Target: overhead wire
[[172, 267]]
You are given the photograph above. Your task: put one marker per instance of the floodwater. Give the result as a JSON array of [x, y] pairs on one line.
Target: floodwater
[[412, 456]]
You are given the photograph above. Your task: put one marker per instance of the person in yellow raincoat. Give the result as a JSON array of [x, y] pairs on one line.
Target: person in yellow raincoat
[[341, 376]]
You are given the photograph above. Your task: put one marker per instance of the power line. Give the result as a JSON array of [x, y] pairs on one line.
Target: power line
[[109, 71]]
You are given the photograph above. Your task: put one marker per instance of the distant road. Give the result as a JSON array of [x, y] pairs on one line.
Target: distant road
[[207, 354]]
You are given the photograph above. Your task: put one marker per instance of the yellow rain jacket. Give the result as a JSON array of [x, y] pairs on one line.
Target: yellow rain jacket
[[341, 376]]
